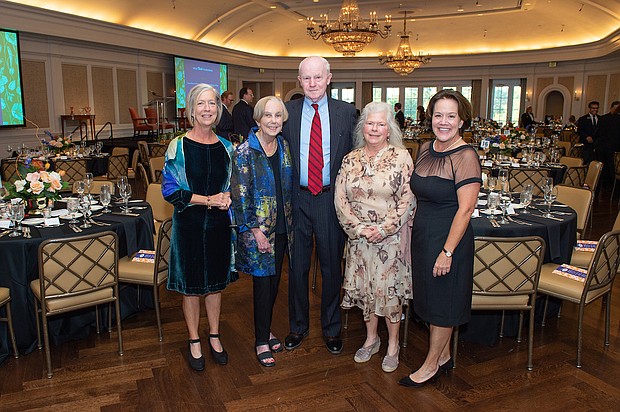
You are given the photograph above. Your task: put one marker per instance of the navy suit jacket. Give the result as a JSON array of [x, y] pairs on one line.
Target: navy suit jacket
[[225, 126], [243, 118], [585, 128], [342, 121]]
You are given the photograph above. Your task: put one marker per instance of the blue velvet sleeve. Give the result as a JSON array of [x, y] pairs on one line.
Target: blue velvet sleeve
[[242, 190]]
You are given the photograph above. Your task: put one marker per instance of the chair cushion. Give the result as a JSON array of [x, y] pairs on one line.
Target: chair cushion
[[5, 294], [138, 272], [479, 302], [63, 304], [563, 287], [581, 259]]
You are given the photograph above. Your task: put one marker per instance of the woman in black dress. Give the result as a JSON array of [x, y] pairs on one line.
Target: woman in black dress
[[196, 180], [446, 182]]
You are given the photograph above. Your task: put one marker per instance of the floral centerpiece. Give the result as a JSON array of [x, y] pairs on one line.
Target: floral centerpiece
[[57, 144], [36, 185], [500, 144]]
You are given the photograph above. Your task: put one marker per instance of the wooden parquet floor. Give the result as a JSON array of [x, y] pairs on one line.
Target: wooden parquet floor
[[154, 376]]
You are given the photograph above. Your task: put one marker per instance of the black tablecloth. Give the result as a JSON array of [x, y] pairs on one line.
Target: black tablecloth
[[559, 236], [556, 171], [18, 267]]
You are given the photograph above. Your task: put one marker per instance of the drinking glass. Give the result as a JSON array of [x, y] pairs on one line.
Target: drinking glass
[[17, 215], [526, 199], [72, 207], [122, 181], [492, 203], [551, 194], [504, 202], [125, 193], [105, 196], [492, 183], [85, 207], [88, 181], [9, 149], [503, 178], [80, 187]]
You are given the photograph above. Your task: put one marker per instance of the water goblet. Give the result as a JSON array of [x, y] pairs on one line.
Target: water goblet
[[17, 215], [105, 196], [88, 181], [525, 198], [86, 211], [492, 203], [492, 183], [80, 187], [125, 193], [504, 202], [503, 178], [72, 207]]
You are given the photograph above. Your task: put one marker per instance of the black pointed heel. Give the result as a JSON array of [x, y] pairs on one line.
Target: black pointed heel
[[447, 367], [221, 358], [407, 381], [197, 364]]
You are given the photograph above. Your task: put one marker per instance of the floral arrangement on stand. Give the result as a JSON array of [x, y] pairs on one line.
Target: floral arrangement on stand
[[500, 144], [36, 185], [57, 144], [518, 135]]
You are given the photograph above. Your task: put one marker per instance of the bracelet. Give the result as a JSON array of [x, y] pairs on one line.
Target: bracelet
[[380, 229], [208, 202]]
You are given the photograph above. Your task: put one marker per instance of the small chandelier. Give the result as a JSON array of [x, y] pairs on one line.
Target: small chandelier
[[403, 61], [349, 34]]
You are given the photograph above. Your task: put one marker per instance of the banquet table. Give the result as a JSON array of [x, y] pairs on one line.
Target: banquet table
[[96, 164], [555, 170], [559, 235], [18, 257]]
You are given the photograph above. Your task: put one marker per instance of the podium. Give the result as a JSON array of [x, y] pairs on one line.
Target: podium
[[160, 104]]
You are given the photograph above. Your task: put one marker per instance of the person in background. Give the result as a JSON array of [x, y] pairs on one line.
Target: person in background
[[399, 116], [374, 204], [225, 126], [261, 192], [196, 180], [243, 114], [527, 119], [421, 115], [319, 132], [586, 127], [607, 141], [446, 182]]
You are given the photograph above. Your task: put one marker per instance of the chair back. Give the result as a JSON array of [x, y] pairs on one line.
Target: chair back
[[576, 150], [603, 267], [9, 170], [158, 150], [95, 186], [580, 200], [151, 114], [74, 169], [118, 166], [162, 251], [566, 146], [519, 178], [143, 177], [413, 148], [593, 176], [574, 138], [134, 159], [78, 266], [143, 147], [120, 151], [156, 165], [162, 210], [571, 161], [135, 118], [506, 271], [575, 176]]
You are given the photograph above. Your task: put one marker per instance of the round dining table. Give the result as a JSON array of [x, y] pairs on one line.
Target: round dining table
[[18, 267]]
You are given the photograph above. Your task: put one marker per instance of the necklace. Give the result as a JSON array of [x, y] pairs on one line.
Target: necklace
[[449, 147], [269, 151]]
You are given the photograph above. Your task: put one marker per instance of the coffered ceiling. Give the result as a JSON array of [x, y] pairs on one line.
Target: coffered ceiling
[[438, 27]]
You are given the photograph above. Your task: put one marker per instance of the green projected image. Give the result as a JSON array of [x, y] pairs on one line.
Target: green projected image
[[11, 97]]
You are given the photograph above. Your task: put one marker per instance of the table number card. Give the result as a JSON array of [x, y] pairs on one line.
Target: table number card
[[144, 256], [571, 272], [586, 245]]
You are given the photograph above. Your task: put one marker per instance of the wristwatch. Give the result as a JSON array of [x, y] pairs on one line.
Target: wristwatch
[[447, 252]]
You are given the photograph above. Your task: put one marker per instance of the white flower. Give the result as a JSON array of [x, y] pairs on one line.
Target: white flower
[[55, 176], [19, 185]]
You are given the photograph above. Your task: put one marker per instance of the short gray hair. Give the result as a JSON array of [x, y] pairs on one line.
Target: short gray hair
[[395, 137], [259, 108], [193, 96]]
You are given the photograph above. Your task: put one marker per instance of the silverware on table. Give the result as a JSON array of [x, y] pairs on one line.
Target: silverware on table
[[6, 232]]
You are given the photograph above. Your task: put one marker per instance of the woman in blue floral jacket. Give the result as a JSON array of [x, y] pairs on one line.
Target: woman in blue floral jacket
[[261, 185]]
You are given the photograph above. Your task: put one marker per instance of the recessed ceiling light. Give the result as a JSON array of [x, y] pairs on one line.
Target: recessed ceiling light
[[272, 7], [460, 8]]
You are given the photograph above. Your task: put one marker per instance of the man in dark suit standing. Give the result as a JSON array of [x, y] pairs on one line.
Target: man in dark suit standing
[[586, 127], [319, 131], [243, 113], [225, 127], [527, 119], [399, 116], [607, 141]]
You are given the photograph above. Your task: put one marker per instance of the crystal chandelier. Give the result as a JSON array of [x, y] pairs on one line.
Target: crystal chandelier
[[403, 61], [349, 34]]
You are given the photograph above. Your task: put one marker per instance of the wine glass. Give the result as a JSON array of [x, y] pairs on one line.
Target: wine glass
[[492, 203], [125, 193], [17, 215], [492, 183], [122, 181], [503, 178], [105, 196], [80, 187], [88, 181], [86, 211], [550, 195], [72, 206], [526, 197], [9, 149], [504, 202]]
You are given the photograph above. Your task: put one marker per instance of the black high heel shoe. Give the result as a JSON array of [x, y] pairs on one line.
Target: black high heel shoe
[[407, 381], [197, 364], [447, 367], [221, 358]]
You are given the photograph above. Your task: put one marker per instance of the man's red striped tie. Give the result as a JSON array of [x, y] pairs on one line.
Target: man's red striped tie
[[315, 154]]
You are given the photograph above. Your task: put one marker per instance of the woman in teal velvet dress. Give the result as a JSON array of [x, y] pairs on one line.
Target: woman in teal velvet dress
[[196, 180]]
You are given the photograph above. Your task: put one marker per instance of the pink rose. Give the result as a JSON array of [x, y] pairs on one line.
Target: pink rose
[[37, 187], [55, 185], [44, 176], [32, 177]]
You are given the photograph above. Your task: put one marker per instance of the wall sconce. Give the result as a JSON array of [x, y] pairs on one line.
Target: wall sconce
[[577, 95], [527, 96]]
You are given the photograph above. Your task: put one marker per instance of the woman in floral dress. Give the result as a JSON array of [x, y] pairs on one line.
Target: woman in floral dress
[[374, 204]]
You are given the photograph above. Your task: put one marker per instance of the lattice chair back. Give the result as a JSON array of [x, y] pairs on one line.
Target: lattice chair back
[[604, 265], [75, 170], [143, 147], [158, 150], [9, 171], [118, 166], [519, 178], [575, 176]]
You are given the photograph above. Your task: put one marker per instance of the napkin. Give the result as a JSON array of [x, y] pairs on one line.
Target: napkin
[[5, 223], [482, 202], [59, 212], [475, 214], [51, 221]]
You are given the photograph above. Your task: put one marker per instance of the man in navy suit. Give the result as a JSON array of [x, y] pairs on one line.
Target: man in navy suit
[[314, 214], [243, 113], [225, 127], [586, 127]]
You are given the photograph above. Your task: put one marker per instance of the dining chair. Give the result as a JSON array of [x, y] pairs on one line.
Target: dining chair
[[575, 139], [521, 177], [117, 150], [413, 148], [564, 146], [506, 272], [143, 176], [162, 210], [145, 155], [156, 165], [576, 150], [75, 170], [9, 170], [150, 274], [582, 258], [5, 301], [598, 283], [575, 176], [140, 124], [580, 200], [151, 118], [131, 171], [76, 273], [117, 167], [593, 176], [571, 161], [158, 150]]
